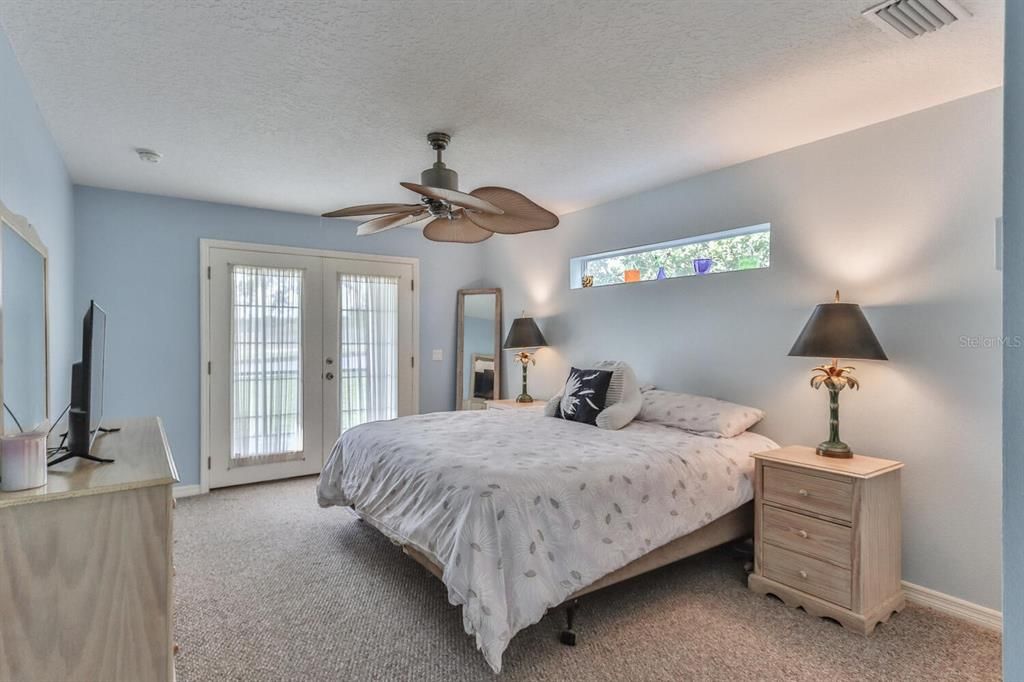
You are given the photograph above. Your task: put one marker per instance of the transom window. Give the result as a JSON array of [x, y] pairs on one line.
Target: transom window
[[744, 248]]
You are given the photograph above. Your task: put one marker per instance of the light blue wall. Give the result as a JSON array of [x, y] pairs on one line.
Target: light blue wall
[[901, 217], [24, 333], [1013, 357], [35, 184], [140, 261]]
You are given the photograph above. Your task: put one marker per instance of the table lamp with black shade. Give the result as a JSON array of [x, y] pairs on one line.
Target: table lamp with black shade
[[836, 330], [525, 337]]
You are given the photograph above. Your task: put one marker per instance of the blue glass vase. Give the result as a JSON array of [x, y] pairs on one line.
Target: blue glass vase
[[661, 273], [702, 265]]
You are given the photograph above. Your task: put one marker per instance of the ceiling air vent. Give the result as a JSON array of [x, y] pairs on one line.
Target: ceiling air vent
[[915, 18]]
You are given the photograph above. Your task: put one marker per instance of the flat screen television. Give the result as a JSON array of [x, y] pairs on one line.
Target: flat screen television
[[86, 412]]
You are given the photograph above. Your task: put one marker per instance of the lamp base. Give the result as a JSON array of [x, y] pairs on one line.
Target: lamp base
[[524, 398], [834, 448]]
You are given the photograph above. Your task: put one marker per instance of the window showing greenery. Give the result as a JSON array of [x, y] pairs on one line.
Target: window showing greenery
[[745, 248]]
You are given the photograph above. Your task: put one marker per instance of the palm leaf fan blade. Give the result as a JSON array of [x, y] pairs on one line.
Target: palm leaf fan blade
[[458, 230], [372, 209], [520, 213], [454, 197], [387, 222]]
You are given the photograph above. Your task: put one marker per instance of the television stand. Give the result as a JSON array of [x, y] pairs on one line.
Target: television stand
[[92, 458], [67, 456], [63, 545]]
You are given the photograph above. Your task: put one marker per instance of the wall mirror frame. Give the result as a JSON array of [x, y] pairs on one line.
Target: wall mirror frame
[[478, 354], [24, 323]]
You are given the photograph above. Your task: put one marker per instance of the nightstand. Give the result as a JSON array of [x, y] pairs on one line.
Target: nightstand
[[827, 535], [511, 404]]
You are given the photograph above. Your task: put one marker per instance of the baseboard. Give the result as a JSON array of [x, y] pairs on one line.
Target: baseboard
[[187, 490], [954, 606]]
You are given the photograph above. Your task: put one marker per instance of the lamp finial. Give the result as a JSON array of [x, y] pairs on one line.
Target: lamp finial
[[837, 296]]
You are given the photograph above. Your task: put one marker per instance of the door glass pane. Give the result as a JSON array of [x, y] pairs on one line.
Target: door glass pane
[[266, 364], [368, 349]]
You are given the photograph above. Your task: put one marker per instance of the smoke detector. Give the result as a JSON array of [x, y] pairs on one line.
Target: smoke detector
[[915, 18], [148, 155]]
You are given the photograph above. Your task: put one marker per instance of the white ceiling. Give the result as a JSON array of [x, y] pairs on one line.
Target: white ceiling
[[308, 106]]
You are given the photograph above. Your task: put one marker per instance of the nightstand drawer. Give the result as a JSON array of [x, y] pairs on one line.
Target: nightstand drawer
[[807, 574], [826, 496], [807, 535]]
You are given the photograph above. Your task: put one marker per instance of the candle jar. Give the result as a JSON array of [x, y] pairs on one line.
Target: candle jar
[[22, 461]]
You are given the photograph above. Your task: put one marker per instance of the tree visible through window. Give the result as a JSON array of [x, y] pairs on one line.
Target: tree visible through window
[[730, 251]]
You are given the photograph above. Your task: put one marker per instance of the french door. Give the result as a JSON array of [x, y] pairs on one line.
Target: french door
[[302, 347], [367, 340]]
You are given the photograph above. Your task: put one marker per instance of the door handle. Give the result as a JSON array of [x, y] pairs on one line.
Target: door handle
[[330, 375]]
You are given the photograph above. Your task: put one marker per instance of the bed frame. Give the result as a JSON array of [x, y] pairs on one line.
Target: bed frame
[[736, 525]]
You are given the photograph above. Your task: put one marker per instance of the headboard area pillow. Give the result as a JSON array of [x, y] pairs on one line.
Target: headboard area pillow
[[584, 395], [697, 414], [622, 402]]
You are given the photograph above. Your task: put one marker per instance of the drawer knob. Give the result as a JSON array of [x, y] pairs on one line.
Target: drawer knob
[[803, 574], [802, 533], [803, 492]]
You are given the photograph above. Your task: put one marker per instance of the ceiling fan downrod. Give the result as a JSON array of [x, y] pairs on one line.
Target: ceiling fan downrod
[[439, 175]]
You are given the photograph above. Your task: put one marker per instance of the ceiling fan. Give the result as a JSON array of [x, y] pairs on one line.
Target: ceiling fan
[[456, 216]]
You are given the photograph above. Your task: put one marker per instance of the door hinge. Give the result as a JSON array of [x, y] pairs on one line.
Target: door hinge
[[209, 271], [413, 360], [209, 461], [412, 284], [209, 367]]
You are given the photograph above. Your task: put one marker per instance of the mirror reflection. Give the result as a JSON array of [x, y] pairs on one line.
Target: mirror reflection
[[479, 356], [23, 290]]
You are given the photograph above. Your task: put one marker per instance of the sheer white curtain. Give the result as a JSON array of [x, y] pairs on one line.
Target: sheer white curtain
[[368, 353], [266, 364]]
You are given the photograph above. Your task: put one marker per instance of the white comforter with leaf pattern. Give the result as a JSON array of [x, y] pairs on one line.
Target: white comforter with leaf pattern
[[523, 510]]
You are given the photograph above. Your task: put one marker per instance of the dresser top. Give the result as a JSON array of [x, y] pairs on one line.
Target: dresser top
[[141, 457], [857, 466]]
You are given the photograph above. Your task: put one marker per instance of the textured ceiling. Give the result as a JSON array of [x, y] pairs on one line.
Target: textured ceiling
[[308, 106]]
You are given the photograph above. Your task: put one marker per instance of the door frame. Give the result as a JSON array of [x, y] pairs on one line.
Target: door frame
[[205, 325]]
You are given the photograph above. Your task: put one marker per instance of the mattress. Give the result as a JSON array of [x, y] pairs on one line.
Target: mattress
[[523, 510]]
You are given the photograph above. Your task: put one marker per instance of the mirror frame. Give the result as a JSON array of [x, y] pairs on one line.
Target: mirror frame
[[460, 343], [24, 229]]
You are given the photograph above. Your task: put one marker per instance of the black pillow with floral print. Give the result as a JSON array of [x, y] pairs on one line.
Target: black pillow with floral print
[[584, 395]]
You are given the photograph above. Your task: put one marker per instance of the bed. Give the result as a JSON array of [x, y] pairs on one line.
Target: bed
[[518, 513]]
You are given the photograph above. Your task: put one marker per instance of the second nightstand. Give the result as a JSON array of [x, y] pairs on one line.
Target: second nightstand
[[511, 404], [827, 535]]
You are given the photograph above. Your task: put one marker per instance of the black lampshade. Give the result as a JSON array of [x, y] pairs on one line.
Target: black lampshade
[[524, 334], [838, 330]]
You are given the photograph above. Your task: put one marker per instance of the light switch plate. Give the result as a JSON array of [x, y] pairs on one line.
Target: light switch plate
[[438, 355]]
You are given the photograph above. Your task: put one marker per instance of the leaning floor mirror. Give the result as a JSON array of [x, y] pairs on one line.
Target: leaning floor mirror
[[24, 365], [478, 360]]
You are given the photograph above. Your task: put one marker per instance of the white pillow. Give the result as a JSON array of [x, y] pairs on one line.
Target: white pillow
[[622, 402], [697, 414]]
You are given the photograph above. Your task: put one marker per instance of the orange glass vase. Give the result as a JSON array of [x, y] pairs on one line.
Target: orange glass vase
[[631, 276]]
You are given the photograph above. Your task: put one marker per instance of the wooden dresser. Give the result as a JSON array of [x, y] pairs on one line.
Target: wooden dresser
[[85, 565], [827, 535]]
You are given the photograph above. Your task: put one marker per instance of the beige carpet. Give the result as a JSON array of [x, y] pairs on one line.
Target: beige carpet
[[271, 587]]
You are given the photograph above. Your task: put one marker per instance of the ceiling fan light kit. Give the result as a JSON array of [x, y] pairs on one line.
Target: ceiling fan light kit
[[456, 216]]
